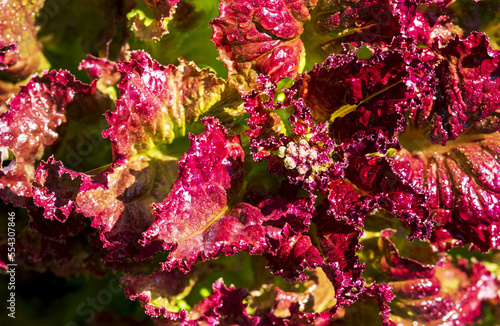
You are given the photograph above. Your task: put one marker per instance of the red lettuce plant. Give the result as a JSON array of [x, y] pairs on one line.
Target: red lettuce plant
[[328, 173]]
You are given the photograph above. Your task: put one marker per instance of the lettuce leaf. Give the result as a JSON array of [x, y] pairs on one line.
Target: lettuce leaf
[[457, 85], [21, 53], [448, 292], [202, 216], [163, 11], [255, 37], [117, 198], [31, 125]]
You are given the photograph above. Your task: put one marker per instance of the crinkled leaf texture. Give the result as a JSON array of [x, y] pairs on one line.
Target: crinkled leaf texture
[[330, 117], [430, 24], [385, 189], [274, 37], [60, 201], [362, 99], [335, 125], [109, 199], [155, 104], [294, 254], [20, 52], [462, 187], [260, 37], [481, 16], [153, 31], [103, 70], [293, 146], [348, 132], [458, 86], [202, 217], [439, 295], [376, 110], [31, 125], [317, 240], [35, 126], [339, 241], [160, 293], [223, 305], [457, 107], [335, 23]]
